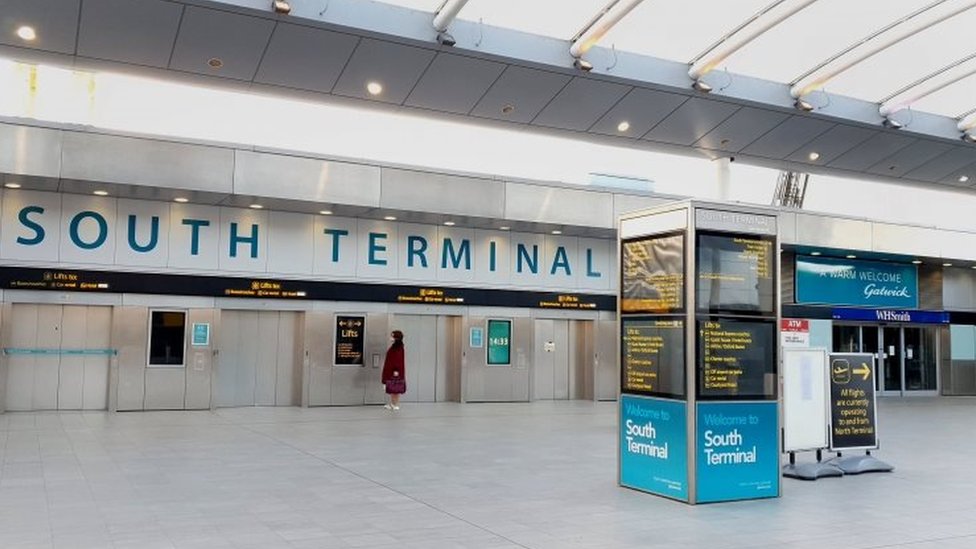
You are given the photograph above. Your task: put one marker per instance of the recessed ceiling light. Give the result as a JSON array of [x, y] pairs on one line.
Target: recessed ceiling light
[[101, 193], [390, 218], [374, 88], [449, 223], [557, 231], [508, 109], [256, 206], [947, 264], [325, 212], [814, 253], [623, 126], [851, 256], [26, 33], [973, 267], [963, 178], [215, 62], [504, 228], [917, 261], [181, 199], [12, 185], [813, 156]]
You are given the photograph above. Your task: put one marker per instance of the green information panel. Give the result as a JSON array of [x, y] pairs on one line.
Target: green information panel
[[499, 342]]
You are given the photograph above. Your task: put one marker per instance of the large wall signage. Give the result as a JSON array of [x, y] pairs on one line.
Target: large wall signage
[[653, 275], [826, 280], [24, 278], [349, 340], [653, 446], [736, 273], [80, 231], [653, 359], [853, 422]]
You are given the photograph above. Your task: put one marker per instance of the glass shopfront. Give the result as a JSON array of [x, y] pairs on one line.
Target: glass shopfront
[[906, 356]]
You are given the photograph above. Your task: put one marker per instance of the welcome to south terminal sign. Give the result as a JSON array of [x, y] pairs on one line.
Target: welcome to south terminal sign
[[826, 280]]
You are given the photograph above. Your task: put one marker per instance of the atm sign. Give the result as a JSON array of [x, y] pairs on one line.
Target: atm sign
[[795, 332]]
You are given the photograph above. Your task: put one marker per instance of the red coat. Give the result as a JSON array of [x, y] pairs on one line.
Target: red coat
[[393, 363]]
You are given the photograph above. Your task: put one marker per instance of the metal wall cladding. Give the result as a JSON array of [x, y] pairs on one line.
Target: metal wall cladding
[[930, 287], [538, 203], [306, 179], [830, 232], [788, 276], [30, 151], [959, 289]]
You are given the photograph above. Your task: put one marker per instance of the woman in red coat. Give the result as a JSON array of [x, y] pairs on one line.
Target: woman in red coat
[[393, 372]]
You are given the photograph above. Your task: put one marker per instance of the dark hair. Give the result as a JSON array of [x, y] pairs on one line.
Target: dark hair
[[397, 338]]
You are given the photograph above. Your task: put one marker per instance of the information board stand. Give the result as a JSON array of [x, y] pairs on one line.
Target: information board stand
[[805, 413], [853, 413], [699, 316]]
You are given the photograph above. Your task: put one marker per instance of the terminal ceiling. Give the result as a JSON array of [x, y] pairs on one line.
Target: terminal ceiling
[[876, 88]]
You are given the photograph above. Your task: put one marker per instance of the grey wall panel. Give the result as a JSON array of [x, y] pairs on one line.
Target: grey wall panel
[[556, 205], [582, 376], [131, 31], [958, 289], [629, 203], [6, 328], [813, 230], [30, 151], [472, 361], [606, 379], [564, 360], [130, 336], [903, 239], [199, 363], [522, 342], [319, 339], [956, 244], [288, 382], [930, 287], [165, 388], [788, 276], [147, 162], [368, 386], [412, 190], [543, 362], [306, 179], [787, 227]]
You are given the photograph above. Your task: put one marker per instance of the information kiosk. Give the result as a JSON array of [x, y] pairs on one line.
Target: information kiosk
[[699, 322]]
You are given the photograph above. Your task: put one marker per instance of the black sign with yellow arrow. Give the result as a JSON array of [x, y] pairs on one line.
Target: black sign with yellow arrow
[[853, 423]]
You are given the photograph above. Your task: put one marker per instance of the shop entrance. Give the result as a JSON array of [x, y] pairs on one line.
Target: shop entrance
[[906, 356]]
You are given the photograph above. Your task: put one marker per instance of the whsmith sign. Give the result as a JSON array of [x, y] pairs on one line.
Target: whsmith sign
[[47, 229], [860, 283]]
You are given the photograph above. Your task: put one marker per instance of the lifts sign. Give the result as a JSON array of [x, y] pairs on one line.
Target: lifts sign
[[82, 231], [860, 283]]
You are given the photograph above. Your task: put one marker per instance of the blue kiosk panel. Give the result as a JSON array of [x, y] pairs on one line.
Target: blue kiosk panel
[[653, 446], [737, 451]]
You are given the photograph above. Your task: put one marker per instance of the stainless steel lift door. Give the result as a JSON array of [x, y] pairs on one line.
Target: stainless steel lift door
[[54, 381], [258, 364], [551, 378], [422, 345]]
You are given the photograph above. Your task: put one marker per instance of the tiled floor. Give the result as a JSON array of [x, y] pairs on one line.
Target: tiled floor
[[444, 476]]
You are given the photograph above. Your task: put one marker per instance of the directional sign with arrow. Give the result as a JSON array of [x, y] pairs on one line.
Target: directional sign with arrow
[[853, 423]]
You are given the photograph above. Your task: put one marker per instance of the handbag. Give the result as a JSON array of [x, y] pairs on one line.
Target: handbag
[[396, 385]]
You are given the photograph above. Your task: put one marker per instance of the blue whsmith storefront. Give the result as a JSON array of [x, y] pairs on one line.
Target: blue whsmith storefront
[[897, 308]]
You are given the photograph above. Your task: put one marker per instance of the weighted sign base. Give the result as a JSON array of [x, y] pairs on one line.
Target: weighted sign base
[[811, 471], [855, 465]]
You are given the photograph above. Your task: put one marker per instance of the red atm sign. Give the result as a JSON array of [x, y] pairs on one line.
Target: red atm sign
[[795, 332]]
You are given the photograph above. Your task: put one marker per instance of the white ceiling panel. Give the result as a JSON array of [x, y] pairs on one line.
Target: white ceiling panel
[[554, 18], [679, 30], [953, 100], [799, 43], [131, 31], [54, 21], [908, 60]]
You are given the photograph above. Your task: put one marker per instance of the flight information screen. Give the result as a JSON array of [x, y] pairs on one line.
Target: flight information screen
[[736, 359], [652, 272], [736, 274], [653, 357]]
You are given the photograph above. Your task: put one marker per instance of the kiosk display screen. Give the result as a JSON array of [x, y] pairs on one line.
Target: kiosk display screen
[[736, 273], [736, 359], [653, 357], [653, 275]]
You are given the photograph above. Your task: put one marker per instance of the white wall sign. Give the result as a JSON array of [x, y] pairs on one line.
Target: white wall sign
[[795, 332], [39, 228]]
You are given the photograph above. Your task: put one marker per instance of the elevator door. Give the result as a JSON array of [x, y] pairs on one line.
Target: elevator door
[[421, 345], [551, 379], [258, 363], [58, 357]]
